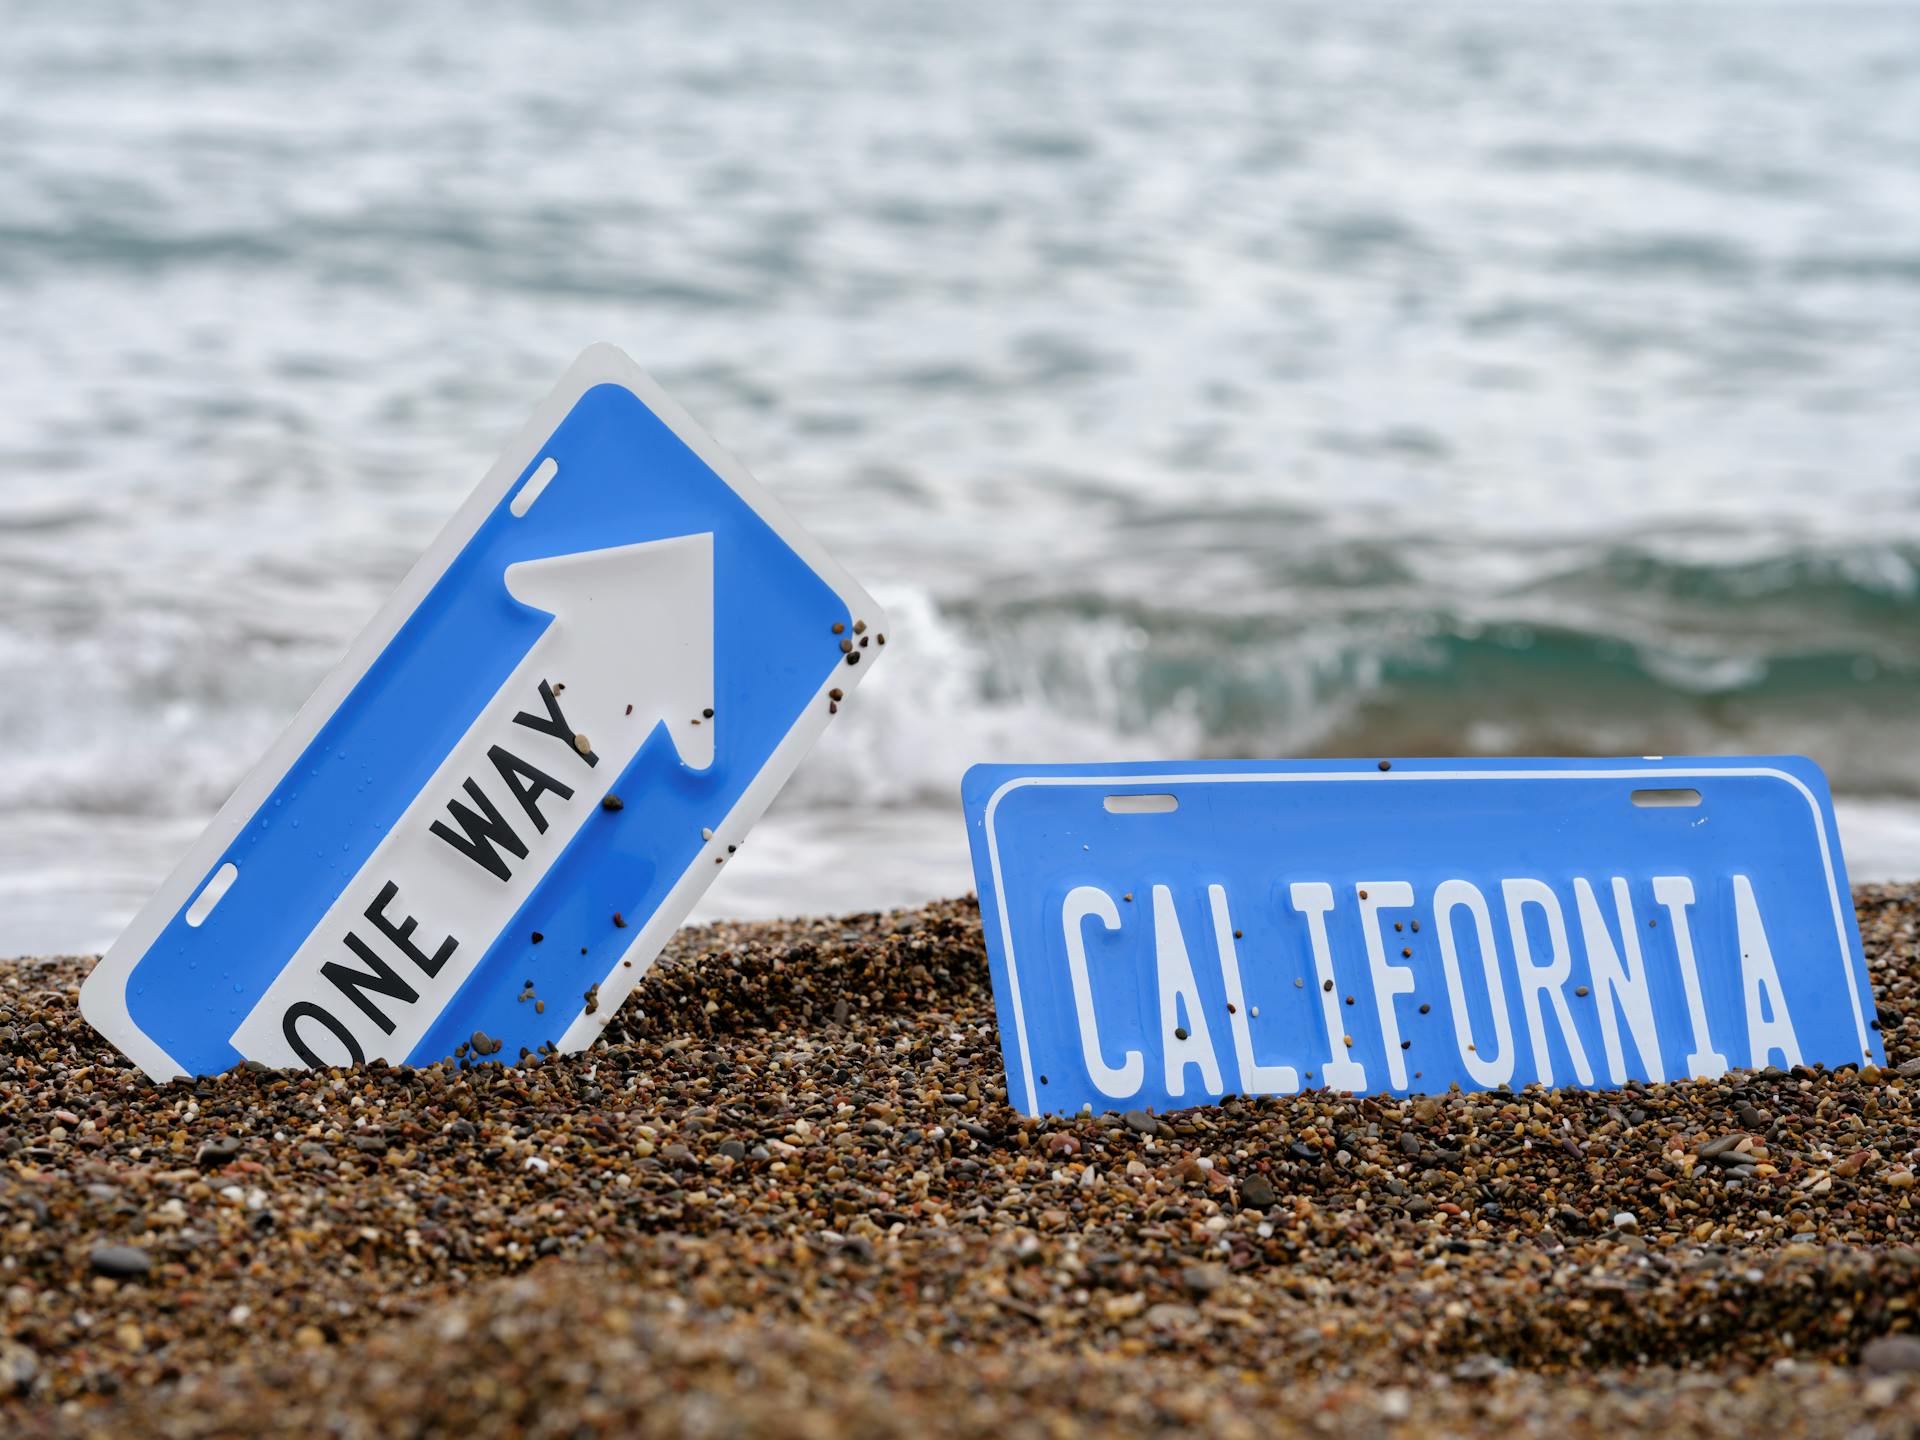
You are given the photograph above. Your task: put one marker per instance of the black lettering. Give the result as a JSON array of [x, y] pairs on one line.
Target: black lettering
[[402, 934], [383, 980], [481, 835], [554, 724], [511, 768], [290, 1027]]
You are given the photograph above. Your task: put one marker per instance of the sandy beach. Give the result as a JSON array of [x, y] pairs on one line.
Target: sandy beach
[[786, 1197]]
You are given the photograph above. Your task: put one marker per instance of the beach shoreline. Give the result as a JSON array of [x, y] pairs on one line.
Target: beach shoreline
[[785, 1197]]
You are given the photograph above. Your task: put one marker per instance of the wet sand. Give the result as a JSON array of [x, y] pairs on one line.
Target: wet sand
[[786, 1197]]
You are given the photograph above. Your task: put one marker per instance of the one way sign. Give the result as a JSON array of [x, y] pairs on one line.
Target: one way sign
[[485, 824]]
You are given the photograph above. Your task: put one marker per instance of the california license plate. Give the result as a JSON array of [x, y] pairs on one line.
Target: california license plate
[[1162, 935]]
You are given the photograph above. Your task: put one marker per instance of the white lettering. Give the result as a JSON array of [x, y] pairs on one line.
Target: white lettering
[[1177, 987], [1549, 979], [1757, 973], [1676, 893], [1314, 899], [1389, 979], [1116, 1081], [1255, 1079], [1447, 896], [1615, 984]]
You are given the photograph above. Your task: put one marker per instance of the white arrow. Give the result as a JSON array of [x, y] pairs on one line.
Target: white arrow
[[630, 646]]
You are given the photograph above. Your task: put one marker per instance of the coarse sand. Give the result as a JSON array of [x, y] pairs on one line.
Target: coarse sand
[[785, 1196]]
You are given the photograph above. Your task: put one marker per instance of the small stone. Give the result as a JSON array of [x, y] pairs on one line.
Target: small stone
[[119, 1262], [1256, 1192], [1139, 1120], [19, 1368], [1892, 1355], [1478, 1369], [1200, 1281], [217, 1152], [1168, 1316], [612, 802]]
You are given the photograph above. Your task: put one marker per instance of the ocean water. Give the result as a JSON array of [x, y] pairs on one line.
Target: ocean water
[[1238, 379]]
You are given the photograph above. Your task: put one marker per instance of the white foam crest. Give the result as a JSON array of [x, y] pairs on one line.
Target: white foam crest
[[929, 712]]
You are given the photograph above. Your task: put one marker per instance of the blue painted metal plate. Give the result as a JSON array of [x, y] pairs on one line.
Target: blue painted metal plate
[[1162, 935], [528, 767]]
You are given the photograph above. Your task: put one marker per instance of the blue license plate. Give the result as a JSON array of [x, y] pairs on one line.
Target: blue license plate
[[1162, 935]]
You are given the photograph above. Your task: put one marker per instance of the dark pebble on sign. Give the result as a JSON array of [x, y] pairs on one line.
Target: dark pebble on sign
[[619, 923], [612, 802]]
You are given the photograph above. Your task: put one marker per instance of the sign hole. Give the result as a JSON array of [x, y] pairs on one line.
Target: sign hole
[[536, 482], [1665, 799], [212, 893], [1142, 804]]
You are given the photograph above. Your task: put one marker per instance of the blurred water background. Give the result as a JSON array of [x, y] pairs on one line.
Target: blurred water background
[[1238, 379]]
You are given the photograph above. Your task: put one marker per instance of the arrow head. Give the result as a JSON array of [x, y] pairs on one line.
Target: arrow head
[[631, 638]]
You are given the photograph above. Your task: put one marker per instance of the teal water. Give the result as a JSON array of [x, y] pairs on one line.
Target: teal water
[[1198, 381]]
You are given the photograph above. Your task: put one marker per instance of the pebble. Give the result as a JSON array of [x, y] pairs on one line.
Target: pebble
[[733, 1206], [217, 1152], [119, 1262], [1257, 1191], [1892, 1355]]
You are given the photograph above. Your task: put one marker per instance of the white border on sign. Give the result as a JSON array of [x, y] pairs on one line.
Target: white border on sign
[[1390, 777], [103, 997]]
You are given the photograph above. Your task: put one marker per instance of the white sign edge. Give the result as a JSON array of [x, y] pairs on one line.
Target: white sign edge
[[103, 997]]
